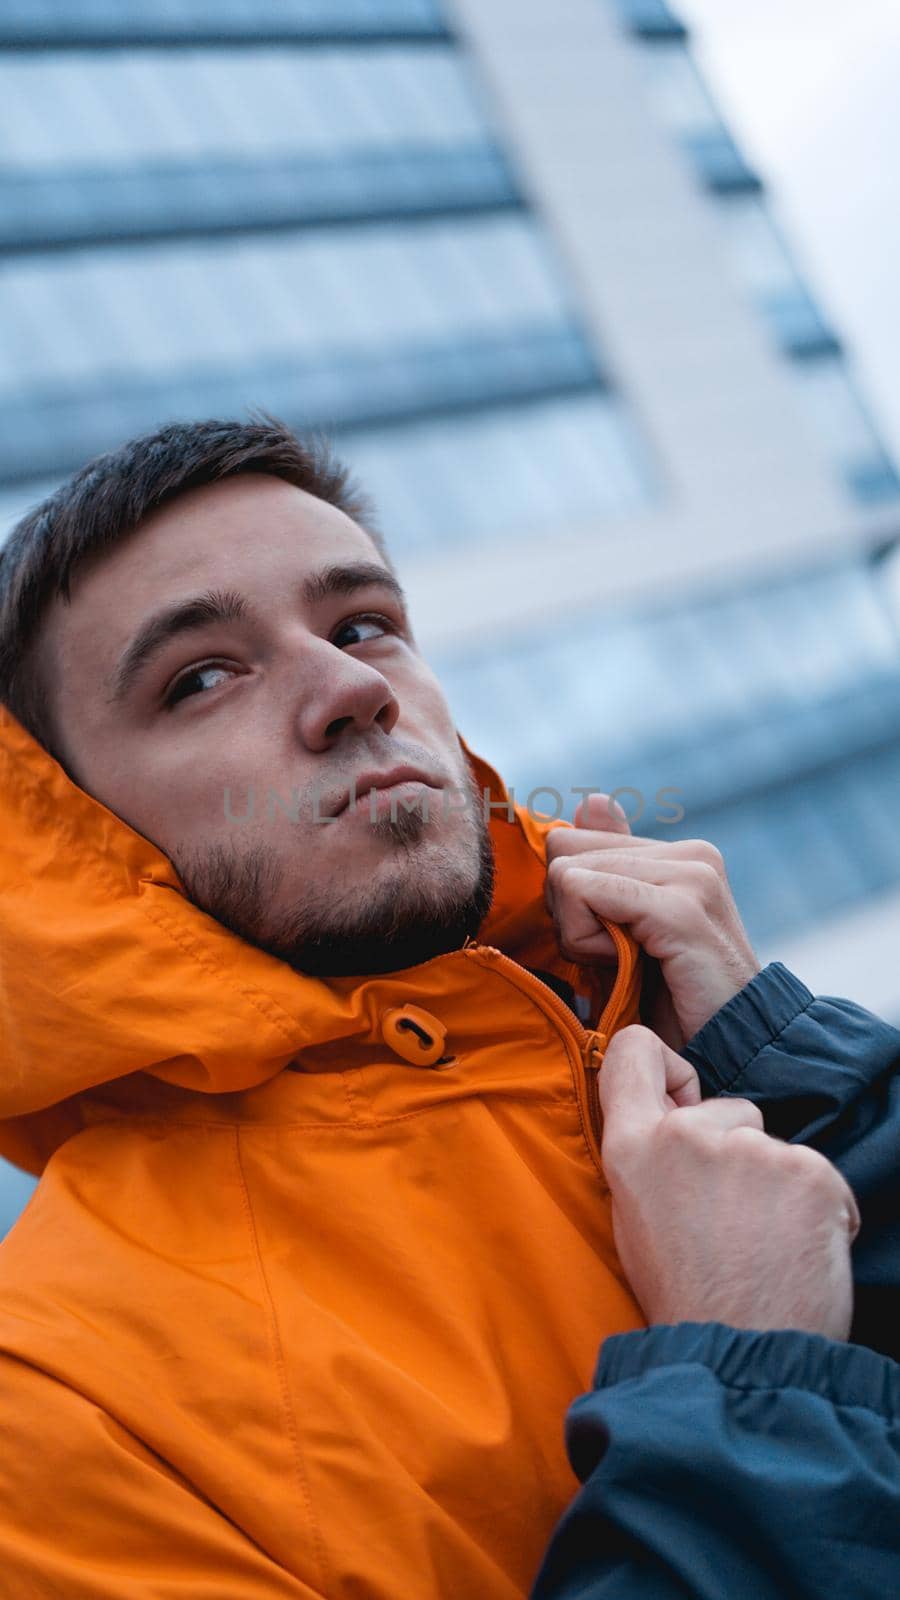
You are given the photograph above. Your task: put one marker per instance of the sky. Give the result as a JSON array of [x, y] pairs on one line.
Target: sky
[[810, 88]]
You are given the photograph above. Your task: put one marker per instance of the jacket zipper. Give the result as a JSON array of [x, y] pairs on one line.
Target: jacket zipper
[[591, 1042]]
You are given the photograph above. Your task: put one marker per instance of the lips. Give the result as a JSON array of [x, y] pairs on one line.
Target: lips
[[364, 781]]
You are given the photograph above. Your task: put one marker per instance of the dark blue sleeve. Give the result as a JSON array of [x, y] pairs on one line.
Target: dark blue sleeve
[[824, 1072], [721, 1464]]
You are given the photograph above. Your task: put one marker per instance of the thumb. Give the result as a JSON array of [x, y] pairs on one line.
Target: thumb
[[602, 813], [641, 1081]]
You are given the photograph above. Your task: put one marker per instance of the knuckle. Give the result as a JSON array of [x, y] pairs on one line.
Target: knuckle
[[812, 1173], [752, 1142], [805, 1163], [705, 888], [750, 1110], [707, 855], [681, 1131], [709, 879], [560, 881]]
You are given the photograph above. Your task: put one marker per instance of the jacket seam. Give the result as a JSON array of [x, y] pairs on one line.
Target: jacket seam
[[260, 1003], [764, 1388], [766, 1045], [281, 1373], [359, 1125], [350, 1097], [802, 1388]]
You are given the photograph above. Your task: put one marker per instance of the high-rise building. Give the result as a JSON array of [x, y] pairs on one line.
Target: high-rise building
[[509, 254]]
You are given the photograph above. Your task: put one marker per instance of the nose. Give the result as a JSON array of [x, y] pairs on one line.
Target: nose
[[345, 693]]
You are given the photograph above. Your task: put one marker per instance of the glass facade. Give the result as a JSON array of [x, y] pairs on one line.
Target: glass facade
[[768, 706], [449, 482], [38, 23], [327, 327], [328, 229], [760, 259], [140, 143]]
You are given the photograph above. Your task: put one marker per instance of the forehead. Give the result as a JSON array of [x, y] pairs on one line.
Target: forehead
[[248, 522], [254, 533]]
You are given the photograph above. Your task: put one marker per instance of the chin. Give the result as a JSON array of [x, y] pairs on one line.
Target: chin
[[392, 921]]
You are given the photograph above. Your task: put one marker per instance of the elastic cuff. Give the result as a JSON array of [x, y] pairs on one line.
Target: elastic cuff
[[843, 1374], [724, 1047]]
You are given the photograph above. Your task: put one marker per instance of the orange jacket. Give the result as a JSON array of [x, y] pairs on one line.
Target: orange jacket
[[290, 1313]]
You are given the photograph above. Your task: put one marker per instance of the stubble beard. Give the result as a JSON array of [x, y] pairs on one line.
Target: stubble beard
[[427, 899]]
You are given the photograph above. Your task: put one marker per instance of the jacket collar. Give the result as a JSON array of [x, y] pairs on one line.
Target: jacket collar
[[107, 969]]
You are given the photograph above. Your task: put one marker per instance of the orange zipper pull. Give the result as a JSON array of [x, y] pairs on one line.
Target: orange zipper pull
[[594, 1049]]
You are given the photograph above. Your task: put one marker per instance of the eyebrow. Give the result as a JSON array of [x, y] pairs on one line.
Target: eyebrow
[[216, 606]]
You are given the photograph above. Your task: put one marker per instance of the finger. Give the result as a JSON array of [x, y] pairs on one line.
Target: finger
[[577, 841], [639, 1079], [596, 943], [599, 946], [628, 863], [682, 1083], [582, 897], [728, 1112], [600, 811]]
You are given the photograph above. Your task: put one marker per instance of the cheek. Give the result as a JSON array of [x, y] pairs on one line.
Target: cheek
[[183, 802], [434, 720]]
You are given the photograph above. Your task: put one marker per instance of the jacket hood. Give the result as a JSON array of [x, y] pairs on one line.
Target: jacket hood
[[108, 970]]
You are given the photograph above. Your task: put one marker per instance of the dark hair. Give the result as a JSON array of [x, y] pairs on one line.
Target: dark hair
[[106, 500]]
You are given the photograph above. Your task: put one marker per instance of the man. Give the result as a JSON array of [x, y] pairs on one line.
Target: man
[[294, 1025]]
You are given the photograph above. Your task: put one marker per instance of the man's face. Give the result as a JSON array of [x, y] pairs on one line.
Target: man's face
[[228, 735]]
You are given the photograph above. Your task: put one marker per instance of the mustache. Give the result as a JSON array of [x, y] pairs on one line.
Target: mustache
[[329, 791]]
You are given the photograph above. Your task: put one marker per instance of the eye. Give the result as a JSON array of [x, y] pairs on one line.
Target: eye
[[359, 625], [186, 685]]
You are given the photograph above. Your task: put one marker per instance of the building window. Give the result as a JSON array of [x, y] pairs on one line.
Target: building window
[[684, 106], [567, 462], [650, 19], [134, 143], [839, 417], [733, 692], [331, 328], [35, 22], [762, 263]]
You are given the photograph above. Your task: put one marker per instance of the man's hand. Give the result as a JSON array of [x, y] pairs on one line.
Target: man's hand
[[673, 896], [714, 1221]]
